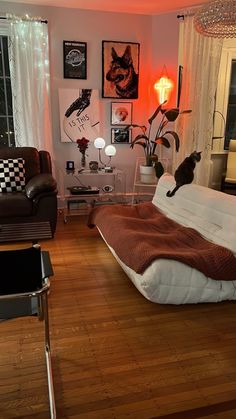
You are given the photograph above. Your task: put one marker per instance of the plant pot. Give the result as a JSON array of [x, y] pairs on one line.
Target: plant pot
[[147, 174]]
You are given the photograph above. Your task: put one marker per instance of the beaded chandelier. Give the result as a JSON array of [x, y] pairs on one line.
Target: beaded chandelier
[[217, 19]]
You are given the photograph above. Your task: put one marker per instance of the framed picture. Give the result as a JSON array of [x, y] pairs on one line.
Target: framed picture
[[75, 60], [180, 76], [120, 136], [121, 113], [79, 114], [120, 69]]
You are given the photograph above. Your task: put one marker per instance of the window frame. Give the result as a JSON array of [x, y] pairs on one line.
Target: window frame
[[223, 88], [4, 32]]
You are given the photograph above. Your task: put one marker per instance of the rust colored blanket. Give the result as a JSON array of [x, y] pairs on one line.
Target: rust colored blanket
[[140, 234]]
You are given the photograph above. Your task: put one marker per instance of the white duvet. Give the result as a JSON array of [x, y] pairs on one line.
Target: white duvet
[[210, 212]]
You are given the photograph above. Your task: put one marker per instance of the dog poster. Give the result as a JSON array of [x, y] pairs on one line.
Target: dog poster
[[79, 114], [120, 71]]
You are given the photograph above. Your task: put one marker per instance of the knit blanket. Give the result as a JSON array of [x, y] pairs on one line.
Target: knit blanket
[[141, 234]]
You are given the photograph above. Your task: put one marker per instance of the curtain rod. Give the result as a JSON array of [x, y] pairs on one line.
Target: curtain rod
[[42, 21], [189, 13]]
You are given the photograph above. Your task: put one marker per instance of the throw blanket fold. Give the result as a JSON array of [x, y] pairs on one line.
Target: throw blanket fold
[[140, 234]]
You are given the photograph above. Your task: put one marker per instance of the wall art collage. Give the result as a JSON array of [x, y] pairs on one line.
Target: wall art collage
[[79, 108]]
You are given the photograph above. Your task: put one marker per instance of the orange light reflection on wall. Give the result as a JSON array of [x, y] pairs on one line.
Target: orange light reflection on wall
[[164, 86]]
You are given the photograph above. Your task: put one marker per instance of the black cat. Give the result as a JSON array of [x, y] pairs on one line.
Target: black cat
[[184, 173]]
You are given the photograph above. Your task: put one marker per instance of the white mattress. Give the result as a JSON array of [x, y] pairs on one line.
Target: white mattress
[[210, 212]]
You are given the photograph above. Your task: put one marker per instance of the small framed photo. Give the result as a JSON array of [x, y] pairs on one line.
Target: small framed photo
[[121, 113], [75, 59], [120, 136]]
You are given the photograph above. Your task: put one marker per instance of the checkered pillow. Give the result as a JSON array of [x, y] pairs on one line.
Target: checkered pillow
[[12, 175]]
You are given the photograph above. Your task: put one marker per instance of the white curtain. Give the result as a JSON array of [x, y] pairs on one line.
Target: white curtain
[[201, 61], [30, 79]]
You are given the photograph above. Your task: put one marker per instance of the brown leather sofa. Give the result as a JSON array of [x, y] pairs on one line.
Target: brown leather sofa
[[38, 201]]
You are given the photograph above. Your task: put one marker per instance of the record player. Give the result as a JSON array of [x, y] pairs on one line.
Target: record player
[[83, 190]]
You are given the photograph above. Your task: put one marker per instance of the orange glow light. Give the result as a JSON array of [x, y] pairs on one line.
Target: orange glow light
[[164, 87]]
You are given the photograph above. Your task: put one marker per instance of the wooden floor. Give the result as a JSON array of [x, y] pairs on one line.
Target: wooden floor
[[115, 354]]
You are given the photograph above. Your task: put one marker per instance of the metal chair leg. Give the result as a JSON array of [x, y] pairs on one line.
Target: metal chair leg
[[48, 357]]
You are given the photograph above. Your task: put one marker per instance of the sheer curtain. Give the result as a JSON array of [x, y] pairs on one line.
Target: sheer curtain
[[201, 61], [29, 68]]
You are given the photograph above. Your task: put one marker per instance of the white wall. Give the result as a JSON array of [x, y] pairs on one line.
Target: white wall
[[158, 46]]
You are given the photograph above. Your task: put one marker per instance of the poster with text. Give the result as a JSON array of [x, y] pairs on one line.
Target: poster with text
[[79, 114]]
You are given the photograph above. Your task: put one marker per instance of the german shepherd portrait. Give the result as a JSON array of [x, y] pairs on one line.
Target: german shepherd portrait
[[122, 74]]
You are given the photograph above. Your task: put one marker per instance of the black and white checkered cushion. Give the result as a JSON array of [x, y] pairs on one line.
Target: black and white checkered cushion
[[12, 175]]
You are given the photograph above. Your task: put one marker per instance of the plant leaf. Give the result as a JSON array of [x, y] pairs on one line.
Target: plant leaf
[[175, 136], [172, 114], [186, 111], [139, 137], [162, 140], [159, 169], [158, 109], [142, 143]]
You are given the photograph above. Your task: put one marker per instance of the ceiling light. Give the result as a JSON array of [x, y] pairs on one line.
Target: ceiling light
[[217, 19]]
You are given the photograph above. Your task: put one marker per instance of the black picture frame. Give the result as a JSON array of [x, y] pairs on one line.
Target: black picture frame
[[180, 77], [75, 60], [120, 136], [126, 53], [121, 113]]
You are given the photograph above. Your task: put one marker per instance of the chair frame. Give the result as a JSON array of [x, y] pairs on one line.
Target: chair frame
[[42, 313]]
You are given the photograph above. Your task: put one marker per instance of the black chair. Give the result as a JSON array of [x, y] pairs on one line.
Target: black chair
[[25, 293]]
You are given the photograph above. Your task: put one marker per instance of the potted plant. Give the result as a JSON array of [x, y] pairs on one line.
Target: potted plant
[[159, 137]]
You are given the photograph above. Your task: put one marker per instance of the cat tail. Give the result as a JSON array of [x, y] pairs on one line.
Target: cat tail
[[171, 193]]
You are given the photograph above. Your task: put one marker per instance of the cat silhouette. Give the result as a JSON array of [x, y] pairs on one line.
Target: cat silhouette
[[184, 173]]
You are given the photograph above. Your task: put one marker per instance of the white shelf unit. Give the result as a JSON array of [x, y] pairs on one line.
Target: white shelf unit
[[139, 187]]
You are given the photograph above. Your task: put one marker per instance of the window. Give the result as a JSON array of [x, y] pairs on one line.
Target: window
[[7, 137], [225, 127], [230, 131]]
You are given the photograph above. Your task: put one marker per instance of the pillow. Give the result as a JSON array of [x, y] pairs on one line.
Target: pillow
[[12, 175]]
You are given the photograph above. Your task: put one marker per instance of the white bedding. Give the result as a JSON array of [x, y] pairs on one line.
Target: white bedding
[[210, 212]]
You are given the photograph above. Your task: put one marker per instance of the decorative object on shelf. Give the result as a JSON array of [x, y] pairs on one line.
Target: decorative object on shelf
[[217, 19], [83, 190], [164, 86], [82, 146], [75, 60], [93, 166], [79, 114], [120, 69], [120, 136], [70, 165], [121, 113], [159, 137], [110, 151], [108, 188]]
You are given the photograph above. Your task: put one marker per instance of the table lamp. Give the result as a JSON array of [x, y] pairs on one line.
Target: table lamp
[[110, 151]]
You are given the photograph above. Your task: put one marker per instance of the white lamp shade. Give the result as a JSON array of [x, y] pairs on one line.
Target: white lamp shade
[[110, 150], [99, 143]]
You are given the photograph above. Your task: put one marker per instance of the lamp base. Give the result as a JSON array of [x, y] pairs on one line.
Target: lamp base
[[106, 169]]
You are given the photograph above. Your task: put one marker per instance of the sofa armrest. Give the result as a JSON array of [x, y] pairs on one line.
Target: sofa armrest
[[43, 182]]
